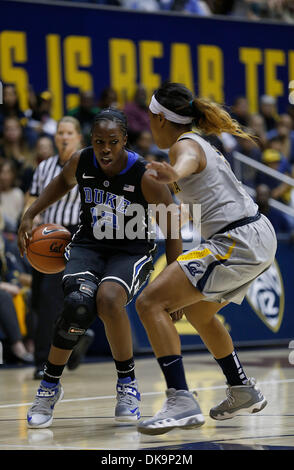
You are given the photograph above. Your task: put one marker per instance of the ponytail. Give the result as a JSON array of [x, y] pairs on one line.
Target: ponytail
[[209, 117], [212, 118]]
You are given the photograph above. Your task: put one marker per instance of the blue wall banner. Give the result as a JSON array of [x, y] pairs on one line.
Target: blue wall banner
[[67, 47]]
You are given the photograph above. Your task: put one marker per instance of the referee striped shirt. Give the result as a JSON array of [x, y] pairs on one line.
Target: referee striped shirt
[[64, 212]]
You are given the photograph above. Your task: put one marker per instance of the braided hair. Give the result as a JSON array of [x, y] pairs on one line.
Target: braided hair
[[112, 114]]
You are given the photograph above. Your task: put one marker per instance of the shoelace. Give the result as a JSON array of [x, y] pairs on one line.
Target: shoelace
[[41, 403], [168, 404], [230, 399], [124, 397]]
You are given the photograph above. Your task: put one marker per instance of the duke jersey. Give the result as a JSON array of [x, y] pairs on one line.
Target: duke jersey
[[113, 209]]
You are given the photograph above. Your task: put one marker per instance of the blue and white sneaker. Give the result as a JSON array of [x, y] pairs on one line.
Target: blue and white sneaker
[[40, 415], [128, 401]]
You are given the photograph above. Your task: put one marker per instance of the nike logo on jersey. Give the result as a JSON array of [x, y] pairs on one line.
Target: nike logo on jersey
[[87, 176], [129, 187]]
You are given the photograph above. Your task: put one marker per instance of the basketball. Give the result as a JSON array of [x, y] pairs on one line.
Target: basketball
[[45, 250]]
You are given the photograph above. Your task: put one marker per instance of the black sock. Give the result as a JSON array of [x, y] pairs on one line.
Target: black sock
[[173, 371], [232, 369], [125, 369], [52, 372]]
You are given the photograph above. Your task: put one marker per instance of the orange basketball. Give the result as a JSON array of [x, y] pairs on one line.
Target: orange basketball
[[45, 250]]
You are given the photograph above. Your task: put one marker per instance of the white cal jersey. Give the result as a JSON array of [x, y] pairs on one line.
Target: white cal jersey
[[222, 197]]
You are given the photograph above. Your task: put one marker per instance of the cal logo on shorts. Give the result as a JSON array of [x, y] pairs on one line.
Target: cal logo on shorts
[[266, 297]]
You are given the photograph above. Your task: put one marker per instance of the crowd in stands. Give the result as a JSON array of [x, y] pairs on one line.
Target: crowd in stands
[[27, 138], [279, 10]]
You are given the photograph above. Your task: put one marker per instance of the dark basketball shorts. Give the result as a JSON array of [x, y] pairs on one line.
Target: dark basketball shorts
[[129, 269]]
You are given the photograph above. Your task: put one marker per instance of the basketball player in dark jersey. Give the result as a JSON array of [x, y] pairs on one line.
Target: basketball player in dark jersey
[[105, 268]]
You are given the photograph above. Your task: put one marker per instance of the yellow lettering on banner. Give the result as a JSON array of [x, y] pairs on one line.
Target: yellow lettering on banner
[[13, 50], [149, 50], [77, 53], [123, 70], [251, 58], [54, 67], [273, 59], [291, 65], [181, 70], [291, 77], [210, 73]]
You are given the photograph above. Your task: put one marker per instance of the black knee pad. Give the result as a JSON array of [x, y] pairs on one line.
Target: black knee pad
[[79, 311]]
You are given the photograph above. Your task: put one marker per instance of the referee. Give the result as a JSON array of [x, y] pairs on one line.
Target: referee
[[47, 292]]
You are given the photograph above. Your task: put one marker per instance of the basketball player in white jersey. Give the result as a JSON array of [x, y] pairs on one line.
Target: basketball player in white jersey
[[239, 245]]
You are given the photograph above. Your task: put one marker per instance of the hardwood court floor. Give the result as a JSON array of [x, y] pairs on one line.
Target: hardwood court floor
[[84, 418]]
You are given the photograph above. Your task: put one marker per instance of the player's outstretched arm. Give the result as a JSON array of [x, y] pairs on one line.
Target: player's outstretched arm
[[169, 223], [54, 191], [159, 194], [187, 157]]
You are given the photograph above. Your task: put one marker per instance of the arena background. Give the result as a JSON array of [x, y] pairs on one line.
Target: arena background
[[67, 48]]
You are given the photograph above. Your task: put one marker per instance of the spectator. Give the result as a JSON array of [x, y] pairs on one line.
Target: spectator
[[196, 7], [116, 3], [8, 317], [274, 160], [276, 143], [143, 143], [11, 197], [278, 219], [257, 125], [31, 132], [142, 5], [85, 113], [273, 9], [11, 107], [137, 114], [9, 323], [248, 148], [151, 157], [15, 149], [41, 120], [44, 149], [108, 98], [156, 155], [221, 7], [14, 146], [240, 111], [268, 111], [290, 112], [286, 135], [259, 9]]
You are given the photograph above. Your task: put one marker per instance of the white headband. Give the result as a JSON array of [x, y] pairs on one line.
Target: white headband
[[156, 108]]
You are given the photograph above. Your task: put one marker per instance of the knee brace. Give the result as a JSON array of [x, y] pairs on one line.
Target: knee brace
[[79, 311]]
